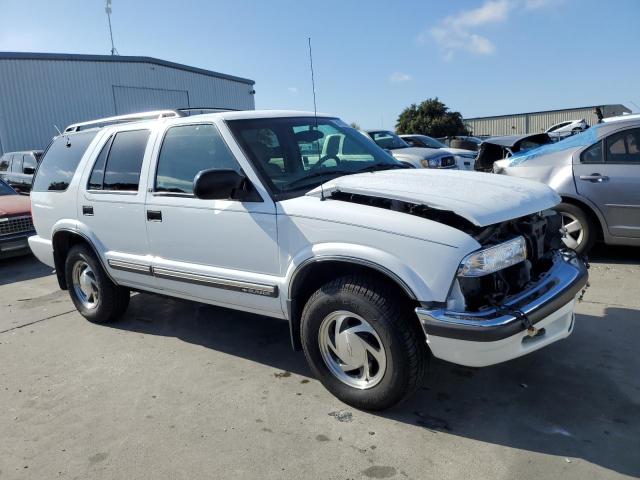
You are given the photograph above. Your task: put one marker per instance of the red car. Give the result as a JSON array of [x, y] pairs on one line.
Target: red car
[[15, 222]]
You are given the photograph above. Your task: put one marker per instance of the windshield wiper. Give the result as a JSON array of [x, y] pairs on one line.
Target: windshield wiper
[[381, 166], [318, 174]]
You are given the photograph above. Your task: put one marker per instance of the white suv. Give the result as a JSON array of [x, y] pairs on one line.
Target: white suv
[[372, 264]]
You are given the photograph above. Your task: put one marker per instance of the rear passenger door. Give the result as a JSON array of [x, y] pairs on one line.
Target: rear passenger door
[[608, 174], [111, 204], [221, 251]]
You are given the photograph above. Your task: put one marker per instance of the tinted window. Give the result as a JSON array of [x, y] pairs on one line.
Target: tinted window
[[61, 160], [4, 162], [187, 150], [6, 189], [125, 160], [16, 165], [624, 147], [593, 154], [29, 162], [97, 174]]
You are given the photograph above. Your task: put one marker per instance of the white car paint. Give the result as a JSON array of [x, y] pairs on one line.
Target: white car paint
[[263, 243]]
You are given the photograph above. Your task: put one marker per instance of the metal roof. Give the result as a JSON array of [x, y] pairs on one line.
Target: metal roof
[[549, 111], [118, 58]]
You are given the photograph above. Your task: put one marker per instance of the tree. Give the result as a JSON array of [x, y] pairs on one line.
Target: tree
[[431, 117]]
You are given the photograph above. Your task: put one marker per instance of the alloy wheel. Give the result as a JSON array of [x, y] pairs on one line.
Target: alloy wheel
[[352, 350], [85, 285]]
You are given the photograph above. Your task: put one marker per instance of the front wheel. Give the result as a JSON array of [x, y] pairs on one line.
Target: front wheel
[[363, 343], [579, 233]]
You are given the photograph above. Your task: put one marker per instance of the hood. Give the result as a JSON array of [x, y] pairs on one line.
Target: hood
[[11, 205], [482, 198], [458, 151], [417, 152]]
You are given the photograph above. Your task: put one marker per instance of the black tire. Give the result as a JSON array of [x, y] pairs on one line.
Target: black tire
[[589, 232], [394, 323], [113, 300]]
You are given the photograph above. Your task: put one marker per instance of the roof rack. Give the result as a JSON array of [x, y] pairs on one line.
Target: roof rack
[[136, 117], [132, 117]]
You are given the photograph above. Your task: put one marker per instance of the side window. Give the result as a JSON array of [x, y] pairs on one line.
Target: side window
[[593, 154], [61, 160], [623, 147], [187, 150], [122, 172], [29, 161], [4, 162], [97, 174], [16, 165]]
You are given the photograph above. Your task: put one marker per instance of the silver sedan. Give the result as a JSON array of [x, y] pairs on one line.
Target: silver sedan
[[597, 174]]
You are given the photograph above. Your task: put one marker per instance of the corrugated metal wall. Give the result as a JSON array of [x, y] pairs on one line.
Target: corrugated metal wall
[[537, 122], [36, 94]]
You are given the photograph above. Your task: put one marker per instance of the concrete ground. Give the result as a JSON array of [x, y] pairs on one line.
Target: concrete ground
[[178, 390]]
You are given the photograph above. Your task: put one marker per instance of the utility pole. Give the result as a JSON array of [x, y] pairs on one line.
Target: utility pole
[[107, 9]]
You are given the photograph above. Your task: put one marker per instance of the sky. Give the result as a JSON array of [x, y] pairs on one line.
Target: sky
[[371, 59]]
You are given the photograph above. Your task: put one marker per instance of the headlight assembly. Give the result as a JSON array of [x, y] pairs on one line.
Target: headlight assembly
[[431, 162], [492, 259]]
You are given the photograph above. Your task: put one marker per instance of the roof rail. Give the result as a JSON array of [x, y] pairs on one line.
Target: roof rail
[[132, 117], [200, 110]]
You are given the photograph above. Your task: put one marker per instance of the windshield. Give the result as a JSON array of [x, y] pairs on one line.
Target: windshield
[[432, 142], [300, 154], [582, 139], [388, 140], [6, 189]]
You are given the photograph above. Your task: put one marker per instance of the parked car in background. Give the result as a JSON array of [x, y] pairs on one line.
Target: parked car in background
[[497, 148], [372, 264], [17, 168], [566, 129], [597, 174], [416, 157], [16, 225], [464, 158], [466, 142]]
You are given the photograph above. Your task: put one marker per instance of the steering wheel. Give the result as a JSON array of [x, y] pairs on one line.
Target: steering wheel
[[321, 162]]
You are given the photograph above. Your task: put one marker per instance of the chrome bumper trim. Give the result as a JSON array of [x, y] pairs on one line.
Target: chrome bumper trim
[[555, 289]]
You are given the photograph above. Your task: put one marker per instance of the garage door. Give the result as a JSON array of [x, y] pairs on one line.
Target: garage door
[[139, 99]]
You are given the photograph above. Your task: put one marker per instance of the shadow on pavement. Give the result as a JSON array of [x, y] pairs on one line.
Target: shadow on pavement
[[615, 254], [577, 398], [18, 269]]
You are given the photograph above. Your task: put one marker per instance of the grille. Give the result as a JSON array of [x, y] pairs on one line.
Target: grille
[[16, 225], [448, 161]]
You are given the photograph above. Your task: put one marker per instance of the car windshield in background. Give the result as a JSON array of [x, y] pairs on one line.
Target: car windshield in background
[[6, 189], [388, 140], [432, 142], [301, 153]]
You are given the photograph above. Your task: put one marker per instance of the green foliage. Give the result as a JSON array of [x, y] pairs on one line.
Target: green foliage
[[431, 117]]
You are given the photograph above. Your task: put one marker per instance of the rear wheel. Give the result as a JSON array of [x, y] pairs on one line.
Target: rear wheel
[[95, 296], [363, 342], [579, 232]]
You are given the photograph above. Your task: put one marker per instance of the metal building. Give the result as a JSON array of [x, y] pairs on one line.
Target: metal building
[[536, 122], [40, 90]]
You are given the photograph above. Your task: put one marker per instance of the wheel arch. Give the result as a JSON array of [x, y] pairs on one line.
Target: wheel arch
[[62, 241], [316, 271], [592, 211]]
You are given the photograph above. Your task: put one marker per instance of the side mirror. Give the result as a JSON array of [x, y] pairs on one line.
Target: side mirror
[[28, 170], [219, 184]]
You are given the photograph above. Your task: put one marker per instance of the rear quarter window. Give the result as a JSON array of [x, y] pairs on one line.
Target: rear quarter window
[[61, 161]]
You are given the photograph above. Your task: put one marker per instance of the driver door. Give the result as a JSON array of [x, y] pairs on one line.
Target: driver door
[[220, 251]]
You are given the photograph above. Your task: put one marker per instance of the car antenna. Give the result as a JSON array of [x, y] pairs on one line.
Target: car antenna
[[57, 129], [315, 110]]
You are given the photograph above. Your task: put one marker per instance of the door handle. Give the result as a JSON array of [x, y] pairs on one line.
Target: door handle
[[594, 178], [154, 215], [87, 210]]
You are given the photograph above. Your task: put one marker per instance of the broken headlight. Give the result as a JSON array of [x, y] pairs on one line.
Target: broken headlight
[[492, 259]]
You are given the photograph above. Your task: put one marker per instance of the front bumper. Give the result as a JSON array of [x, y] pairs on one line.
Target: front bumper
[[15, 244], [494, 335]]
